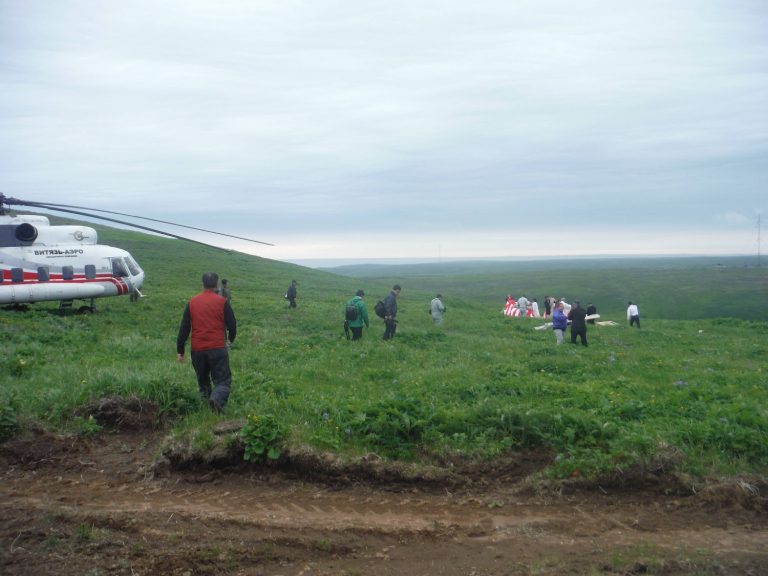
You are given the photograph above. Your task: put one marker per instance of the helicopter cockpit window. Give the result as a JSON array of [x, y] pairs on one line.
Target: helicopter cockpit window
[[90, 271], [67, 272], [132, 266], [17, 275], [118, 268], [42, 274]]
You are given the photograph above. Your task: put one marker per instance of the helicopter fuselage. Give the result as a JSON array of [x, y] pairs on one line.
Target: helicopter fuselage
[[40, 262]]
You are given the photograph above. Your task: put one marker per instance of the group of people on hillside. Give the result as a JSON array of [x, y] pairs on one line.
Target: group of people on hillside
[[578, 318], [210, 320], [563, 315], [521, 307], [356, 313]]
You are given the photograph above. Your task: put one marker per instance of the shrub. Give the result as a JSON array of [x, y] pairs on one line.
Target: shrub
[[394, 426], [263, 438]]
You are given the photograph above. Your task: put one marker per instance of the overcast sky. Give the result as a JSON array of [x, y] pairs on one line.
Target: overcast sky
[[388, 129]]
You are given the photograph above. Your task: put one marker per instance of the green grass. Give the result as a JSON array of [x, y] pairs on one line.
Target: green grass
[[690, 394]]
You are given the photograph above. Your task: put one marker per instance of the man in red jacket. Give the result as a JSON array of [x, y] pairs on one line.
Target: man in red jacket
[[210, 319]]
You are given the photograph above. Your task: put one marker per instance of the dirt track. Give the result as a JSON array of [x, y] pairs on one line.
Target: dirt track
[[76, 507]]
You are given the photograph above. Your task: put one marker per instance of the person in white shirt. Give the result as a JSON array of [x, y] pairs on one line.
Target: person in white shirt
[[633, 314], [522, 306], [437, 309]]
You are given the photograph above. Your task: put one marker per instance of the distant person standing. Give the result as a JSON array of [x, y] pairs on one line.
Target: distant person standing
[[390, 312], [356, 315], [547, 307], [578, 316], [437, 309], [510, 308], [535, 309], [209, 318], [591, 309], [522, 306], [224, 292], [290, 294], [559, 322], [633, 314]]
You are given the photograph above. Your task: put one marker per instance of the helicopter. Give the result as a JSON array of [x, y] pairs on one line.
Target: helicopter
[[42, 262]]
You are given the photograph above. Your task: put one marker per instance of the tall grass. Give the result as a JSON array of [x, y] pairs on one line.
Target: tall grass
[[693, 393]]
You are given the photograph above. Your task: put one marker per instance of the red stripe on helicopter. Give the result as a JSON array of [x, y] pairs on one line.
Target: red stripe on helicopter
[[31, 278]]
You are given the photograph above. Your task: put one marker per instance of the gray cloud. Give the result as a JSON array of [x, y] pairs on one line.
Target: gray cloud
[[423, 119]]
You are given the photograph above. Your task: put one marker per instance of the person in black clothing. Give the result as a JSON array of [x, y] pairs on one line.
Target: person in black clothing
[[290, 294], [390, 316], [591, 309], [577, 316], [224, 292]]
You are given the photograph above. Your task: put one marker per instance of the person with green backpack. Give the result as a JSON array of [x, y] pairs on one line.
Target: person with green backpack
[[355, 316]]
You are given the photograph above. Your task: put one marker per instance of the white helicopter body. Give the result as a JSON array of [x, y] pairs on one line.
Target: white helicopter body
[[40, 262]]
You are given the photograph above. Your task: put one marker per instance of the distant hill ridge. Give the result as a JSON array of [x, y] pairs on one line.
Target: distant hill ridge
[[681, 287]]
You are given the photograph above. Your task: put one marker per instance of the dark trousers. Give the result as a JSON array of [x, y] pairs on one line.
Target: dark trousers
[[213, 365], [390, 327], [581, 332], [634, 320], [291, 302], [357, 332]]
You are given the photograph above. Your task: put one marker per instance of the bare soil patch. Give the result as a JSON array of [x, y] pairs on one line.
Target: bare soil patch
[[97, 506]]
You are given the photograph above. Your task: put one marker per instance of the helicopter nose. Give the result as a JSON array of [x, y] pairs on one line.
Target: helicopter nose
[[138, 280]]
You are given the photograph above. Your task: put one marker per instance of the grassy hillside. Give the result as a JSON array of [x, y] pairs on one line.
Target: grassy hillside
[[666, 288], [683, 394]]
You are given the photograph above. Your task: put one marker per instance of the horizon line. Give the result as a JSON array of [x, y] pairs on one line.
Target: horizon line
[[338, 262]]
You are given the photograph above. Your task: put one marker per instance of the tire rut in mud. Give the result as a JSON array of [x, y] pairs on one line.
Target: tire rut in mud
[[70, 505]]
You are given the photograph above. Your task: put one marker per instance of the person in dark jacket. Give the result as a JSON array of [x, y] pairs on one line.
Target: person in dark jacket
[[211, 321], [290, 294], [578, 316], [224, 292], [390, 316], [591, 309]]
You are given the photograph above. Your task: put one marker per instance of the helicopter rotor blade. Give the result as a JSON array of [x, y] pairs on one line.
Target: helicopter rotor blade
[[70, 209], [162, 232]]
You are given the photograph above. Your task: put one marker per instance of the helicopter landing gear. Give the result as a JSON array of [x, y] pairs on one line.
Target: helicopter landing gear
[[68, 306]]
